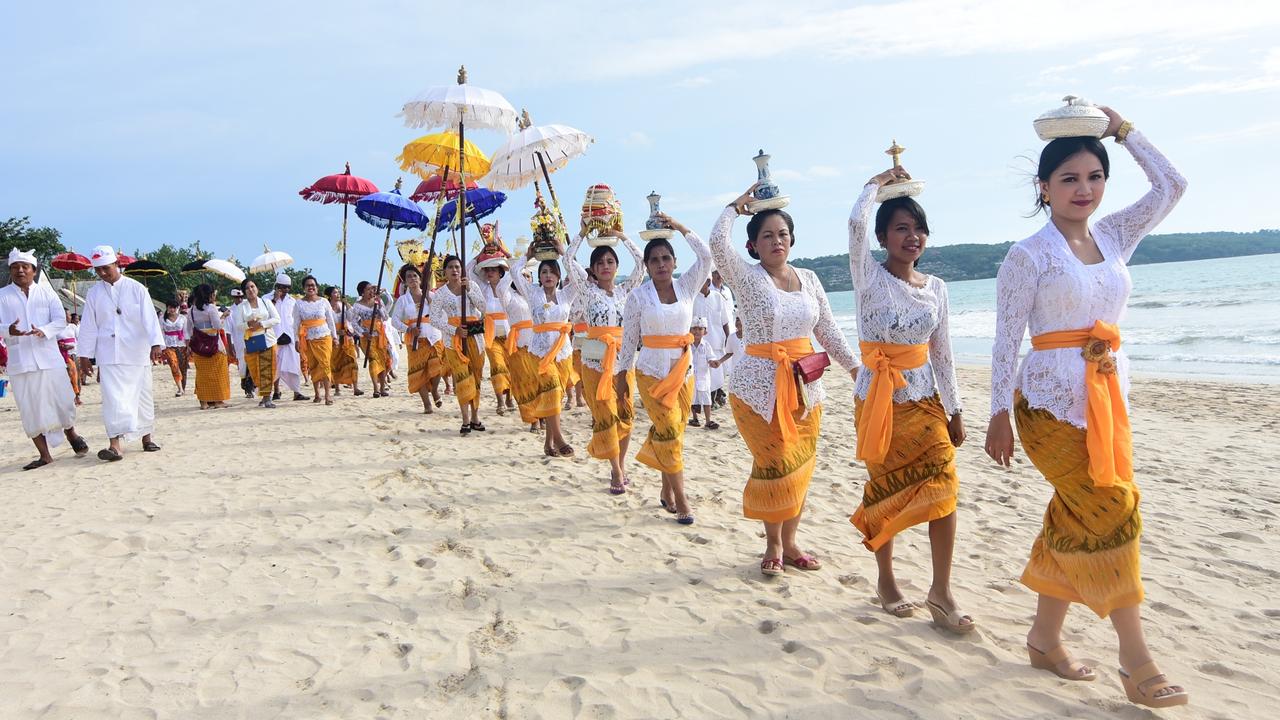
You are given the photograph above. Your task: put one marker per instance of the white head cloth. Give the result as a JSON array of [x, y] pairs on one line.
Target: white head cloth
[[28, 256], [283, 279], [103, 255], [699, 322]]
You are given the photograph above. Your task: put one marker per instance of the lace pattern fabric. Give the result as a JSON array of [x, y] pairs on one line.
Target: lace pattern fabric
[[545, 310], [603, 309], [315, 310], [645, 314], [1043, 287], [772, 315], [893, 311], [402, 314], [493, 301], [445, 305]]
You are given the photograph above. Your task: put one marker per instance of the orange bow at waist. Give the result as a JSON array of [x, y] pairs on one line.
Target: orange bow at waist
[[382, 339], [580, 328], [303, 327], [1107, 434], [783, 353], [408, 334], [886, 361], [611, 336], [544, 365], [456, 322], [489, 319], [667, 389], [514, 333]]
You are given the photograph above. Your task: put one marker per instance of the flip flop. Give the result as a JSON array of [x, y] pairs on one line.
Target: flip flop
[[803, 561], [771, 567], [685, 519], [1142, 685], [671, 508], [950, 620], [478, 427], [109, 455], [1060, 663], [80, 447], [617, 488], [712, 425], [37, 463], [150, 446], [903, 608]]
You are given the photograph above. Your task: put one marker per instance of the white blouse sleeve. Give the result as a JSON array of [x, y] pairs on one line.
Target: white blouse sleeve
[[861, 263], [630, 333], [331, 321], [273, 317], [1016, 284], [691, 282], [578, 277], [941, 358], [440, 313], [828, 332], [397, 310], [730, 264], [637, 275], [522, 286], [1126, 228]]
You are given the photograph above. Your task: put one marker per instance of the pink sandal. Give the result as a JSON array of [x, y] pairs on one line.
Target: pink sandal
[[803, 561], [771, 567]]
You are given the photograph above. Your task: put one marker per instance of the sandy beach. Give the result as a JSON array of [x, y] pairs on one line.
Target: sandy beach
[[370, 563]]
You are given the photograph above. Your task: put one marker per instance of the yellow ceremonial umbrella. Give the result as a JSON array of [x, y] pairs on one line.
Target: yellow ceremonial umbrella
[[429, 154]]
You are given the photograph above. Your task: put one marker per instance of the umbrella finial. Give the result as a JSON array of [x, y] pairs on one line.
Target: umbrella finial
[[348, 170], [462, 74], [525, 121], [397, 184]]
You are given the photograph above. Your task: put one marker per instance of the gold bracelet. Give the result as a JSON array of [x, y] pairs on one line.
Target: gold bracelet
[[1122, 132]]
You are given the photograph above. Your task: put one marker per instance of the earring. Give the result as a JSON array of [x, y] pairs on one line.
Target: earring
[[1044, 198]]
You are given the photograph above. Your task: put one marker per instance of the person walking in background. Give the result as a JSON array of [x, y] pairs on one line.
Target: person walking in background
[[174, 327], [213, 386], [255, 320], [288, 361], [316, 327]]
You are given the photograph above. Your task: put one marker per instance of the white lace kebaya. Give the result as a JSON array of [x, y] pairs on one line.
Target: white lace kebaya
[[446, 305], [646, 314], [891, 310], [1042, 286], [772, 315], [543, 311], [603, 309]]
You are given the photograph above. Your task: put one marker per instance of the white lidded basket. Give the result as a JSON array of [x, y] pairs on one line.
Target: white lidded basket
[[1078, 118], [906, 188]]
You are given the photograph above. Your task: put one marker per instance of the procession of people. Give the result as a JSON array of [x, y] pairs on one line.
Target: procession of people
[[690, 331]]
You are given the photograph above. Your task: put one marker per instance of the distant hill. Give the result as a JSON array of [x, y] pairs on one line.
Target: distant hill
[[975, 262]]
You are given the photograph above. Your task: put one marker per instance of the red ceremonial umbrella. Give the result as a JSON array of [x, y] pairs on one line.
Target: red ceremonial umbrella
[[124, 261], [430, 189], [72, 263], [346, 189]]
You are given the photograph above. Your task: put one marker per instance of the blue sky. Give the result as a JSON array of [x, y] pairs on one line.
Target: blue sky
[[140, 123]]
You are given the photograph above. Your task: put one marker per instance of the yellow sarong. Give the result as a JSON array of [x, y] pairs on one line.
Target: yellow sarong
[[537, 394], [499, 371], [664, 446], [375, 348], [343, 362], [780, 468], [213, 382], [262, 368], [611, 336], [1087, 551], [465, 368], [667, 390], [424, 363], [916, 482], [611, 419], [885, 361], [1106, 419], [783, 354], [316, 354], [514, 334]]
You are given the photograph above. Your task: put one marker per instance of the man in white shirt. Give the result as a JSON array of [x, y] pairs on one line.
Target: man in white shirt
[[710, 305], [288, 362], [120, 331], [730, 321], [237, 341], [33, 317]]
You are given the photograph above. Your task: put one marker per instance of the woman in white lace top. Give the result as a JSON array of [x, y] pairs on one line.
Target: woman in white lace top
[[411, 315], [658, 315], [1068, 285], [907, 408], [368, 316], [463, 351], [612, 412], [497, 325], [316, 325], [549, 346], [781, 307]]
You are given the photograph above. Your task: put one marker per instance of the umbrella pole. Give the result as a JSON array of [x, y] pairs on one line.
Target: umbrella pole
[[462, 225], [377, 300], [342, 336], [431, 253]]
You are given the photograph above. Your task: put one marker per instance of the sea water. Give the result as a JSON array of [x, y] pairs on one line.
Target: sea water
[[1213, 319]]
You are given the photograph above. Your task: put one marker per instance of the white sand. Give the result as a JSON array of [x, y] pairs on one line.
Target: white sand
[[372, 564]]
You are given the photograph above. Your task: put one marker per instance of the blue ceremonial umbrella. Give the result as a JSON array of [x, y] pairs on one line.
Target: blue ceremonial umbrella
[[392, 211], [481, 203]]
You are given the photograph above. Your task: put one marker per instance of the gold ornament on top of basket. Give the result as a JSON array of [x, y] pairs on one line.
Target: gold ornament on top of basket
[[492, 252], [601, 213], [546, 230]]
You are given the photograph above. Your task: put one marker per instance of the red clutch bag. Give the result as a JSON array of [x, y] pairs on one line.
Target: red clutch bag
[[811, 367]]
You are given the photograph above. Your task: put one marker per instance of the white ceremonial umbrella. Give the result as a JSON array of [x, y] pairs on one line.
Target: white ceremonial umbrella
[[458, 106], [225, 269], [270, 261], [532, 153]]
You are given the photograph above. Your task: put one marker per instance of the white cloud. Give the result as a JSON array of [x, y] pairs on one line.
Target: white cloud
[[1251, 132], [1267, 79], [692, 83], [637, 138]]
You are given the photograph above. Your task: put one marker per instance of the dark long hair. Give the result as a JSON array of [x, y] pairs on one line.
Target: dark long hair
[[600, 252], [202, 295]]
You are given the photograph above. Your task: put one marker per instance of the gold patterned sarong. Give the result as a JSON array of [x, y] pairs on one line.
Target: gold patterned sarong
[[526, 385], [780, 469], [466, 369], [425, 363], [663, 449], [343, 362], [262, 368], [319, 357], [917, 482], [1087, 551], [213, 382], [499, 370], [610, 421]]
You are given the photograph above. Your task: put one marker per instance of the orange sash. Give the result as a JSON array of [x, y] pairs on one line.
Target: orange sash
[[408, 336], [303, 327], [514, 334], [489, 318], [611, 336], [545, 364], [886, 361], [783, 353], [667, 389], [1107, 434], [381, 339], [457, 339]]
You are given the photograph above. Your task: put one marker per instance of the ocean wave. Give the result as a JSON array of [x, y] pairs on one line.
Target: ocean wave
[[1264, 360], [1205, 303]]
